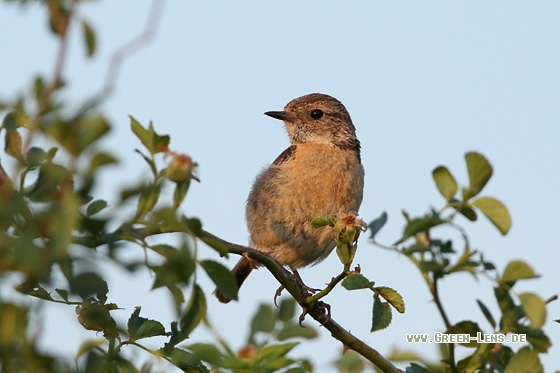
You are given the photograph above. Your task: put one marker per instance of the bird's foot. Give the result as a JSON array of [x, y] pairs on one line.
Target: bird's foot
[[302, 286], [325, 312], [325, 309]]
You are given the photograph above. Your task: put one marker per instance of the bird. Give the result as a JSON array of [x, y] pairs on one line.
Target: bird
[[320, 173]]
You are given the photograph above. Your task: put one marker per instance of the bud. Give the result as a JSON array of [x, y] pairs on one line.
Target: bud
[[249, 351], [347, 227], [180, 168]]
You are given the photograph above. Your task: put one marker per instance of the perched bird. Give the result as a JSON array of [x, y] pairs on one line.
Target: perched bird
[[319, 174]]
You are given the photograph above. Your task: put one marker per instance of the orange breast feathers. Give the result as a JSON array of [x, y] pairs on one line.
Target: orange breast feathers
[[317, 179]]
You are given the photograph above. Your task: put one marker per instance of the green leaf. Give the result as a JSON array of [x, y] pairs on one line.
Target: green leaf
[[182, 359], [148, 199], [95, 207], [143, 135], [419, 225], [534, 308], [467, 327], [194, 225], [507, 307], [276, 351], [101, 159], [76, 134], [194, 313], [444, 246], [486, 313], [525, 360], [63, 293], [140, 327], [35, 156], [391, 296], [89, 345], [161, 142], [95, 227], [89, 283], [356, 281], [376, 225], [95, 316], [536, 337], [92, 129], [517, 270], [495, 211], [436, 267], [38, 87], [445, 182], [13, 145], [222, 277], [321, 222], [352, 362], [134, 321], [480, 172], [149, 161], [287, 309], [398, 355], [416, 248], [296, 331], [264, 320], [153, 142], [207, 352], [40, 292], [466, 211], [89, 38], [475, 361], [167, 251], [51, 153], [11, 121], [180, 192], [381, 314], [177, 269]]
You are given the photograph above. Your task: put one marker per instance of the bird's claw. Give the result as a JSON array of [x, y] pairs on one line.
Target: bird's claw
[[325, 312], [302, 317], [278, 293]]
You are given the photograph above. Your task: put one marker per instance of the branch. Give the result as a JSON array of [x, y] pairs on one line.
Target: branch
[[296, 290], [290, 282], [131, 46]]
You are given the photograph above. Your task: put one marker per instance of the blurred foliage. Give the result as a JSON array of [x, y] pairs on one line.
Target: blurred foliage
[[51, 223], [437, 258]]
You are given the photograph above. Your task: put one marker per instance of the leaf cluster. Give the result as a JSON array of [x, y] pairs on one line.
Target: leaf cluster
[[437, 258]]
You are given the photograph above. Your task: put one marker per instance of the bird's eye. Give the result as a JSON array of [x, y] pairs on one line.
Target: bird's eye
[[316, 114]]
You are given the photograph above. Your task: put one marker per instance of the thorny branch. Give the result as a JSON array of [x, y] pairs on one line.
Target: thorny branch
[[289, 282]]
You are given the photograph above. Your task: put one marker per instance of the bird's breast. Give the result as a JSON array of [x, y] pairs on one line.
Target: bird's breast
[[316, 180]]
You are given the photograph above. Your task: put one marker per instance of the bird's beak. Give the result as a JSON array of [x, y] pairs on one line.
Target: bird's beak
[[282, 115]]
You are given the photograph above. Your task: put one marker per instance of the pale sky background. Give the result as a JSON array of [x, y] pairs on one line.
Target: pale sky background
[[424, 82]]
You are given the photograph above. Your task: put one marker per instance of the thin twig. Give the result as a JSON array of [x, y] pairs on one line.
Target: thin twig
[[152, 24], [448, 326], [334, 281]]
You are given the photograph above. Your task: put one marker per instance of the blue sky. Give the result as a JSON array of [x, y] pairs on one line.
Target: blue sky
[[424, 82]]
